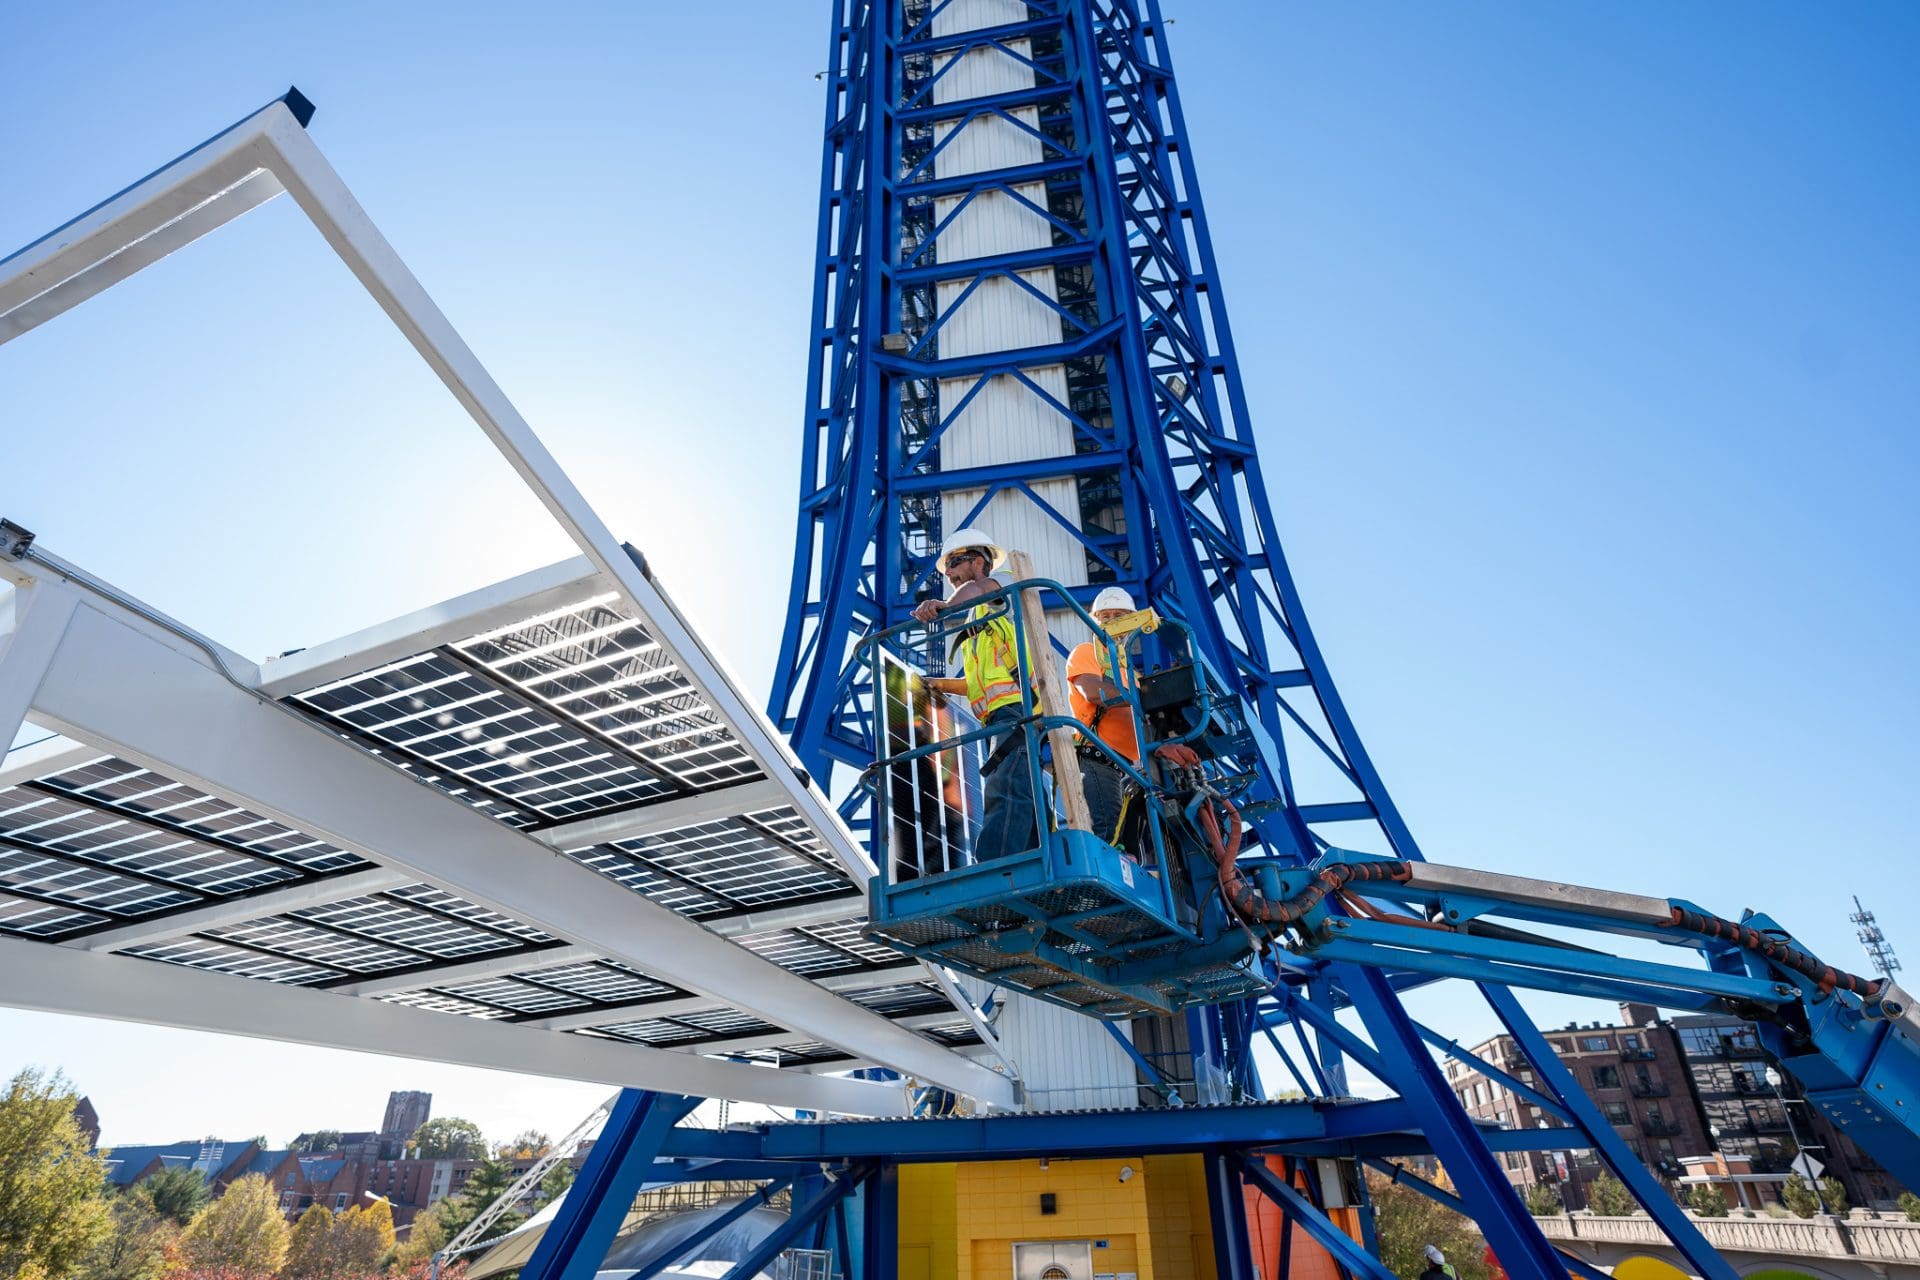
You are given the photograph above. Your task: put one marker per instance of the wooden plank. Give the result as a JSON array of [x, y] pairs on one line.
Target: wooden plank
[[1051, 690]]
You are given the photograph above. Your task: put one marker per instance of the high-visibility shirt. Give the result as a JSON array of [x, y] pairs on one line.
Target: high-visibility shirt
[[988, 658], [1116, 726]]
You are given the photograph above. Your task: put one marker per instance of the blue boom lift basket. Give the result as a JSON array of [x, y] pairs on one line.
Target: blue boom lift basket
[[1074, 920]]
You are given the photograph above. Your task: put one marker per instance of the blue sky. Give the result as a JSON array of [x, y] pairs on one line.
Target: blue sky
[[1581, 341]]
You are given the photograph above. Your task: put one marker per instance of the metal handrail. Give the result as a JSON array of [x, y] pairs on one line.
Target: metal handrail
[[1035, 725]]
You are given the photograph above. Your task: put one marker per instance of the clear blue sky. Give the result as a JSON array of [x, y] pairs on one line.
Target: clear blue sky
[[1582, 342]]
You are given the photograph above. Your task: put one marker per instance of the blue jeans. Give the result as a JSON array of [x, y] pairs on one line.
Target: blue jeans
[[1007, 824], [1105, 788]]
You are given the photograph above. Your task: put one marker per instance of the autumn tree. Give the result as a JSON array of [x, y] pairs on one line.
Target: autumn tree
[[53, 1204], [1408, 1221], [242, 1230], [424, 1238], [307, 1256], [136, 1243], [357, 1245], [449, 1138], [178, 1191], [529, 1144], [423, 1270]]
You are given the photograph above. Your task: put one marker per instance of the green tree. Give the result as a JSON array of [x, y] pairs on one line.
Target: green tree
[[1609, 1198], [307, 1256], [1407, 1222], [1799, 1197], [53, 1202], [555, 1183], [136, 1243], [449, 1138], [1910, 1205], [1836, 1193], [1543, 1200], [1707, 1200], [179, 1192], [242, 1230], [318, 1140], [484, 1185]]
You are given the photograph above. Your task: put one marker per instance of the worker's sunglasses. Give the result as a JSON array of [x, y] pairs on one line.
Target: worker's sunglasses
[[959, 558]]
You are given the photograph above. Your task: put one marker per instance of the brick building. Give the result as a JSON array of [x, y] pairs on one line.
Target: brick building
[[1748, 1117], [407, 1110], [1674, 1090], [1636, 1074]]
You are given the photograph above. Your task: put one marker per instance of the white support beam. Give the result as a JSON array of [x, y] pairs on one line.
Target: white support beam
[[669, 815], [312, 182], [170, 208], [59, 980], [123, 681], [44, 759], [270, 152], [40, 617], [774, 1039], [453, 975], [700, 1004], [500, 605], [773, 919], [214, 915]]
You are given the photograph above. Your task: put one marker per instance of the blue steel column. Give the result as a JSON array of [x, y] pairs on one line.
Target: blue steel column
[[1586, 1117], [880, 1222], [1201, 541], [576, 1242], [1481, 1181], [1227, 1211]]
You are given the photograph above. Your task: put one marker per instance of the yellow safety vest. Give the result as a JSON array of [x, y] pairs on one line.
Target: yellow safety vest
[[988, 661]]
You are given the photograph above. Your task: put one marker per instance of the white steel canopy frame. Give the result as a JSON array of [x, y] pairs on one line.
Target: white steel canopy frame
[[285, 748]]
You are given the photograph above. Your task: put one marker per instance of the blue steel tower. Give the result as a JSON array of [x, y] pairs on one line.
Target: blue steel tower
[[1018, 322]]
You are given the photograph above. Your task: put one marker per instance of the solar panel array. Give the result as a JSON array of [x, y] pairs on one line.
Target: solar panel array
[[577, 713]]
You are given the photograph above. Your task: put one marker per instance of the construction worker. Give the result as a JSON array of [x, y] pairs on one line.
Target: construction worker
[[990, 681], [1098, 692], [1438, 1268]]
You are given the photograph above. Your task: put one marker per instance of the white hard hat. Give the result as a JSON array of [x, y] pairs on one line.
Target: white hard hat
[[979, 539], [1434, 1255], [1111, 598]]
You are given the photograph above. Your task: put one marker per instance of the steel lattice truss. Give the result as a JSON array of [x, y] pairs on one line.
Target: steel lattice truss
[[1051, 133], [534, 828]]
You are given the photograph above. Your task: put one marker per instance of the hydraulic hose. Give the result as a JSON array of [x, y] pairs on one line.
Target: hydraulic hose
[[1252, 907], [1244, 897], [1787, 957]]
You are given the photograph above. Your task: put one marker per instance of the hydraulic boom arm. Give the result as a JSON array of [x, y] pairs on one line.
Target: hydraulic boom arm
[[1852, 1042]]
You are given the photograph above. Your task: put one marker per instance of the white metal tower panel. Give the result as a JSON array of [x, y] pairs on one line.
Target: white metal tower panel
[[1065, 1059]]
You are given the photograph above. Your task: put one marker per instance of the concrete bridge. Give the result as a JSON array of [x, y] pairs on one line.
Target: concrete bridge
[[1819, 1248]]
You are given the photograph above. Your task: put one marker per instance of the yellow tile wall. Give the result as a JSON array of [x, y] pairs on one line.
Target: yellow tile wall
[[929, 1248], [960, 1222], [1179, 1230]]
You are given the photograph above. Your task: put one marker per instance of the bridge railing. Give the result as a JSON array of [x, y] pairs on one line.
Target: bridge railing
[[1825, 1236]]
